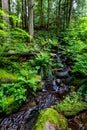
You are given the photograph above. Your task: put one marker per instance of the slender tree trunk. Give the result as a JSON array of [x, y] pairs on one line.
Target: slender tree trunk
[[70, 11], [25, 18], [9, 6], [65, 6], [0, 3], [5, 7], [67, 12], [48, 14], [41, 13], [27, 14], [23, 22], [58, 28], [31, 27]]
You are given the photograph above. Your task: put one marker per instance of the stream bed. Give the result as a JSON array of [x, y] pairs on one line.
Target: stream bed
[[54, 89]]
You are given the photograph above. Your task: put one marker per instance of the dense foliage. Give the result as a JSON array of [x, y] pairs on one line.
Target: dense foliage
[[25, 62], [75, 51]]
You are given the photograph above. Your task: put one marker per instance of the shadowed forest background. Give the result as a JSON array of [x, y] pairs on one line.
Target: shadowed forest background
[[43, 64]]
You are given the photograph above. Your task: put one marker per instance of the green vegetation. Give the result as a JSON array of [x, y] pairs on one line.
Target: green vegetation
[[71, 105], [11, 97], [6, 77], [75, 51], [26, 59], [49, 115], [21, 74]]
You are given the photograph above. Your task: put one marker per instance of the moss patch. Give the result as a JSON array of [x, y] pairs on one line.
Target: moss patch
[[12, 105], [6, 77], [49, 115]]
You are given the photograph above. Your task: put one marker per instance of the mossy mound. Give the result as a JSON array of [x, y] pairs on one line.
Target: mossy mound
[[50, 118], [38, 82], [71, 105], [12, 105], [6, 77]]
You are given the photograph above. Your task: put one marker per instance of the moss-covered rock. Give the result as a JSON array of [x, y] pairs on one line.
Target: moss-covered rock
[[50, 119], [6, 77], [71, 105]]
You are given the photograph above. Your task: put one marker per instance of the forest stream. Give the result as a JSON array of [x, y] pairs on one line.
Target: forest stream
[[43, 64], [54, 89]]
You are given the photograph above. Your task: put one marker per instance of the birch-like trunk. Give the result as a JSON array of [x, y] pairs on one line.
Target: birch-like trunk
[[5, 7], [31, 26]]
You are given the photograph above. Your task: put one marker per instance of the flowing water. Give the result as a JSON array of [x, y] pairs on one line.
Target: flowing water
[[55, 87]]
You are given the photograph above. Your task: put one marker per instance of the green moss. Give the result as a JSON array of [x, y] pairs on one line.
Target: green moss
[[6, 77], [12, 105], [71, 105], [50, 115], [38, 82]]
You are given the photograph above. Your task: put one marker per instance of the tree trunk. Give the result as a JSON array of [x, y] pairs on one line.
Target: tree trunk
[[31, 28], [48, 14], [41, 13], [25, 18], [58, 28], [70, 11], [23, 21], [5, 7], [9, 6], [0, 3]]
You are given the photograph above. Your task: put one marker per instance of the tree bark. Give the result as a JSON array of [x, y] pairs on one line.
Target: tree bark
[[59, 7], [0, 3], [70, 11], [48, 14], [31, 26], [41, 13], [23, 21], [5, 7]]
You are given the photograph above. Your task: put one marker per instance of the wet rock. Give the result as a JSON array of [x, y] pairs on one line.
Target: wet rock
[[66, 80], [50, 126], [47, 99], [63, 74], [50, 84], [49, 119], [58, 58], [63, 88]]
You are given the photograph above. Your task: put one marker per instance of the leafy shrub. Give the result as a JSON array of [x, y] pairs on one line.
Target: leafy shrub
[[83, 88], [12, 39], [71, 105], [42, 63], [75, 38], [29, 78], [75, 51], [81, 64], [11, 97], [19, 34]]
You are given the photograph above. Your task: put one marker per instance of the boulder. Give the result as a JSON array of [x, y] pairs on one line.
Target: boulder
[[50, 119]]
